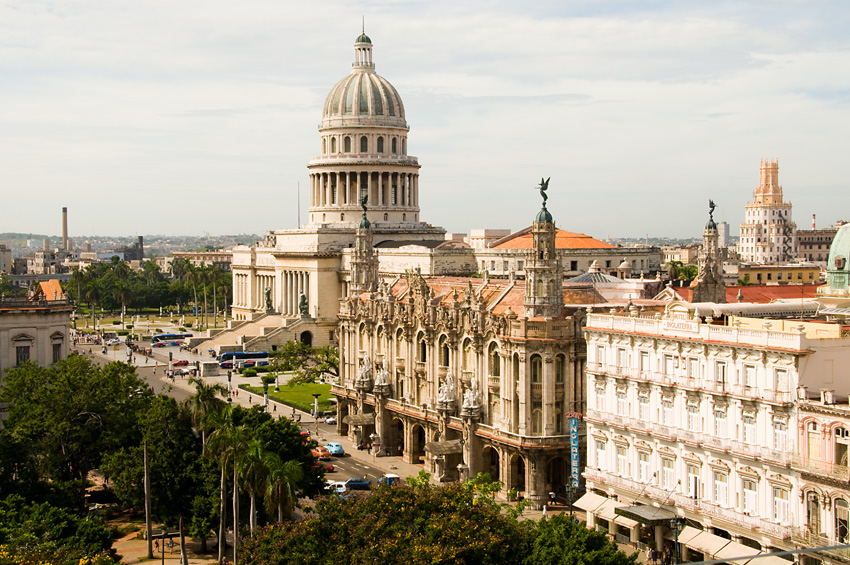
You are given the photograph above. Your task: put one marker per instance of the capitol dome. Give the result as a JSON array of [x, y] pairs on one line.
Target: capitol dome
[[363, 97]]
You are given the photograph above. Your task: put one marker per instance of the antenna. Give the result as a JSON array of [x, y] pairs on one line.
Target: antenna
[[364, 24]]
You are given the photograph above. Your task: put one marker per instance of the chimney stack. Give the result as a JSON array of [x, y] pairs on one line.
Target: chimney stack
[[65, 229], [813, 221]]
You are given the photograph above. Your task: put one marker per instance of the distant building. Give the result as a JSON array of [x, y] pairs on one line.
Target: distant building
[[814, 244], [723, 234], [222, 259], [768, 234], [7, 265], [794, 273]]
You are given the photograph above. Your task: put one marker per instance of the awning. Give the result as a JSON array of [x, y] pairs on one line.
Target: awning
[[734, 549], [645, 514], [625, 522], [444, 447], [708, 544], [589, 502], [606, 510], [687, 534], [768, 560], [359, 419]]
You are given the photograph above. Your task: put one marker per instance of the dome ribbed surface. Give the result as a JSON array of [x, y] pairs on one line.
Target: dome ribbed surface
[[366, 96], [543, 216]]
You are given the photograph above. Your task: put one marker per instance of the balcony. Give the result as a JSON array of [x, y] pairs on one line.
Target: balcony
[[419, 367], [494, 383], [714, 442], [805, 537], [399, 362], [536, 390], [821, 468]]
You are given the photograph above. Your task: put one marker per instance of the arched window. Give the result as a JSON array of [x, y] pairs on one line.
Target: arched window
[[842, 521], [404, 147], [380, 145], [379, 345], [421, 348], [537, 419], [347, 144], [399, 344], [394, 146], [468, 355], [536, 369], [404, 217], [443, 358], [560, 368], [364, 144], [842, 441], [494, 368], [361, 334], [333, 145], [386, 217], [324, 146], [342, 217]]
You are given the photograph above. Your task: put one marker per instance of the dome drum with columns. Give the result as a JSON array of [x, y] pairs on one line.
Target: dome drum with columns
[[364, 151]]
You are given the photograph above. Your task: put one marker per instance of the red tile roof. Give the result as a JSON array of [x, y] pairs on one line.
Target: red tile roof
[[563, 240]]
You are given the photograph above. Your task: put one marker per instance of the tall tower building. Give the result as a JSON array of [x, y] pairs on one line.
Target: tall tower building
[[364, 151], [709, 286], [768, 234], [544, 296]]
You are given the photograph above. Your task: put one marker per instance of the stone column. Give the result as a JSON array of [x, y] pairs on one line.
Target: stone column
[[548, 396]]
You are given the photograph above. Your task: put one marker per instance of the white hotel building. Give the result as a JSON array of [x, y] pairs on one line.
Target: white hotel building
[[692, 416]]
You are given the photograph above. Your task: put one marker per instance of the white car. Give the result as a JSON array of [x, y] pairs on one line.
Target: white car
[[114, 341], [330, 420]]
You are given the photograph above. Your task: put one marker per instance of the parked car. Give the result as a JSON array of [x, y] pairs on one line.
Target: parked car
[[358, 483], [335, 449], [327, 467], [113, 341], [330, 420], [180, 362], [321, 452]]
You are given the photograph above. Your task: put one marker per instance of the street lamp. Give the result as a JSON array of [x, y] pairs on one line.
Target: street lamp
[[570, 487], [676, 527], [229, 376], [316, 396]]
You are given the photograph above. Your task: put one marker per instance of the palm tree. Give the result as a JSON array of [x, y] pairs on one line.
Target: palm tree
[[205, 401], [283, 478], [226, 444], [253, 472]]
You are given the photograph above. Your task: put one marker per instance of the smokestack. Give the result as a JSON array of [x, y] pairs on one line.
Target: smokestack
[[65, 229], [813, 221]]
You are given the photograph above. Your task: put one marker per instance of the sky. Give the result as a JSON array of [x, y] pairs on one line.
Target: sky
[[192, 117]]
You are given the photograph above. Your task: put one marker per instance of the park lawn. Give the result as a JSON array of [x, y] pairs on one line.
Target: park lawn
[[298, 396]]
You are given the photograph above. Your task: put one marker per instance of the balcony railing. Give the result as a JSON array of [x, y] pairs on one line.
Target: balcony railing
[[494, 382], [822, 468], [808, 538]]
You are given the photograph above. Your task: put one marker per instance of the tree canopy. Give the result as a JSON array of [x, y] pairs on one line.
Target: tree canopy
[[310, 364]]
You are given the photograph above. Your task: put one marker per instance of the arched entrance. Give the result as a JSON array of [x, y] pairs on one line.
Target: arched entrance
[[417, 450], [490, 462], [395, 444], [517, 473], [342, 412], [557, 475], [306, 338]]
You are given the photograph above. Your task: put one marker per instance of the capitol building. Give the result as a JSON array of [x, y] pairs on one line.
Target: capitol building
[[289, 285]]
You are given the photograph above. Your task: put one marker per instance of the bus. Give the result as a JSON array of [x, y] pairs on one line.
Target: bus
[[169, 337], [243, 359]]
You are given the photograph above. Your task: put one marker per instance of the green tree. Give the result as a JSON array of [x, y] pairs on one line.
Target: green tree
[[41, 533], [560, 541], [283, 480], [253, 474], [205, 401], [70, 414], [395, 525], [309, 363]]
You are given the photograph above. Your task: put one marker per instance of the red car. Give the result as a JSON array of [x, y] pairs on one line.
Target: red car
[[180, 362], [321, 452], [327, 467]]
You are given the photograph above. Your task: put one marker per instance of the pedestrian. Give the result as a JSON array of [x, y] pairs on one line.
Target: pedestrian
[[250, 400], [156, 545], [369, 448], [274, 408], [170, 545], [544, 510]]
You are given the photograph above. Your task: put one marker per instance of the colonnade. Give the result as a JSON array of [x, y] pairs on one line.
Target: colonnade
[[343, 188], [292, 284]]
